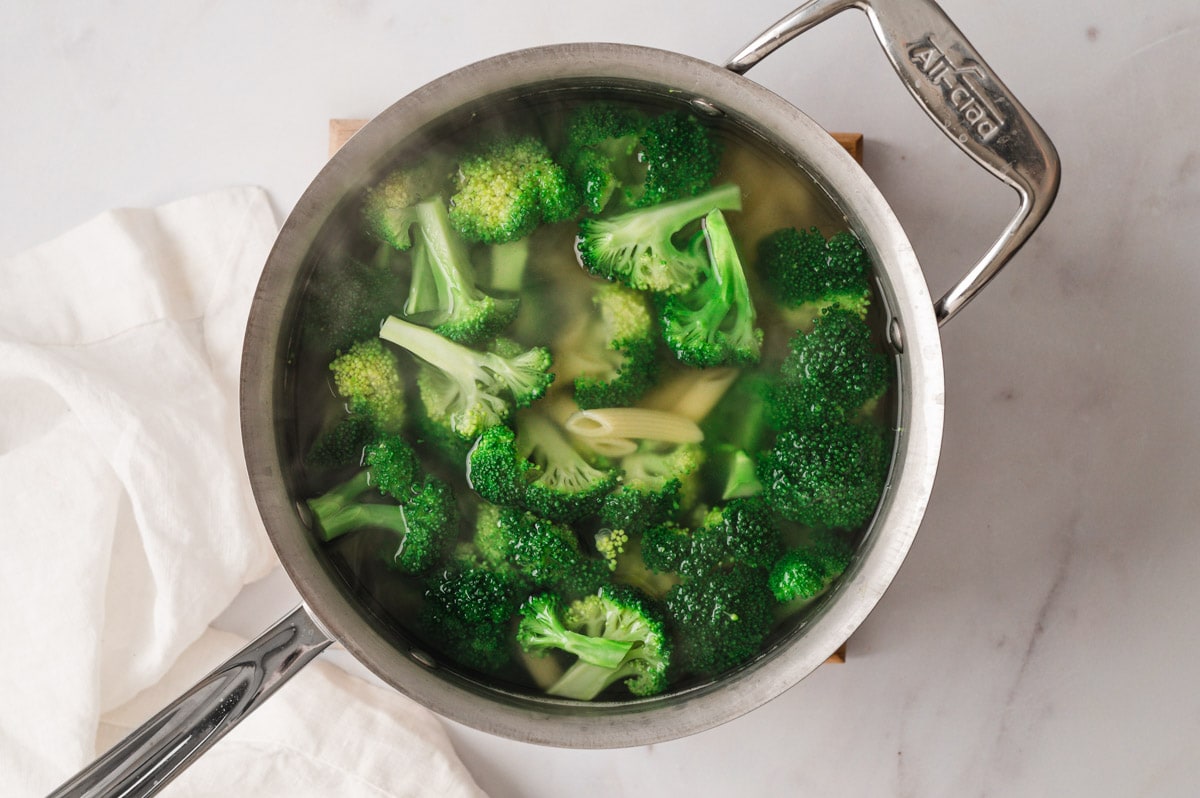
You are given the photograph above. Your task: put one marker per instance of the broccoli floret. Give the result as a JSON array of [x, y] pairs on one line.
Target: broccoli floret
[[540, 552], [541, 630], [803, 269], [421, 526], [617, 617], [829, 373], [741, 532], [467, 613], [466, 391], [601, 152], [507, 189], [613, 357], [638, 247], [342, 443], [713, 324], [443, 293], [389, 209], [655, 480], [537, 469], [613, 151], [720, 619], [348, 304], [805, 572], [681, 158], [830, 475], [367, 376]]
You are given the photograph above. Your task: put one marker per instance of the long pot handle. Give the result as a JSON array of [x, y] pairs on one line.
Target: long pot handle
[[962, 94], [158, 751]]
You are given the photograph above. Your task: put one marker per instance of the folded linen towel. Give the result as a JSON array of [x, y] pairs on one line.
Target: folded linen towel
[[126, 515]]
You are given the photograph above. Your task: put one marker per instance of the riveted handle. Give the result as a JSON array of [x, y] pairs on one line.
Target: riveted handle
[[958, 90]]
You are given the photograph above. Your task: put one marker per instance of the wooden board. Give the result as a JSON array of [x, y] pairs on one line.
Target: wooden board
[[340, 131]]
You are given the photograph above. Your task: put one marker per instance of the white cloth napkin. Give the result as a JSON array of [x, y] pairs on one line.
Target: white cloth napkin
[[128, 523]]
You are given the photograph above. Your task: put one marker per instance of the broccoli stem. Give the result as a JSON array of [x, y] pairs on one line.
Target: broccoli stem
[[439, 258], [455, 360], [359, 516], [329, 504], [583, 681], [545, 630]]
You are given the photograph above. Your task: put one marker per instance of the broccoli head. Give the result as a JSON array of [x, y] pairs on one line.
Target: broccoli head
[[830, 475], [614, 152], [638, 247], [367, 376], [740, 532], [507, 189], [419, 525], [537, 469], [829, 372], [714, 323], [467, 613], [802, 268], [720, 619], [617, 619], [443, 293], [656, 479], [601, 152], [613, 356], [348, 304], [540, 552], [389, 207], [541, 630], [806, 571], [466, 391]]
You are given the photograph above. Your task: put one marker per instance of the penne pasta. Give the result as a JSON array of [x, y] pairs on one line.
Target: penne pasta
[[693, 394], [633, 423]]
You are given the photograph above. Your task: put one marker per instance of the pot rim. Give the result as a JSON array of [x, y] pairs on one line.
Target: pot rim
[[920, 413]]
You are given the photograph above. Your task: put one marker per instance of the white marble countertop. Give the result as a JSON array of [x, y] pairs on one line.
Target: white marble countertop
[[1042, 636]]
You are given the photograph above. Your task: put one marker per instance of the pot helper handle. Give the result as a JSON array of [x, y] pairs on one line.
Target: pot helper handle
[[961, 93], [158, 750]]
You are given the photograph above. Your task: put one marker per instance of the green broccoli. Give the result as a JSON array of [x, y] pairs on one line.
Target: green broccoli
[[804, 270], [720, 619], [831, 475], [638, 247], [390, 205], [617, 635], [466, 391], [507, 189], [601, 152], [367, 376], [805, 572], [467, 613], [442, 292], [348, 304], [613, 356], [655, 480], [740, 532], [617, 152], [420, 527], [829, 372], [537, 469], [541, 629], [713, 324], [734, 430], [539, 552]]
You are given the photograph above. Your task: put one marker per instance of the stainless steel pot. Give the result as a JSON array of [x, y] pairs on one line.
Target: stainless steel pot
[[941, 70]]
